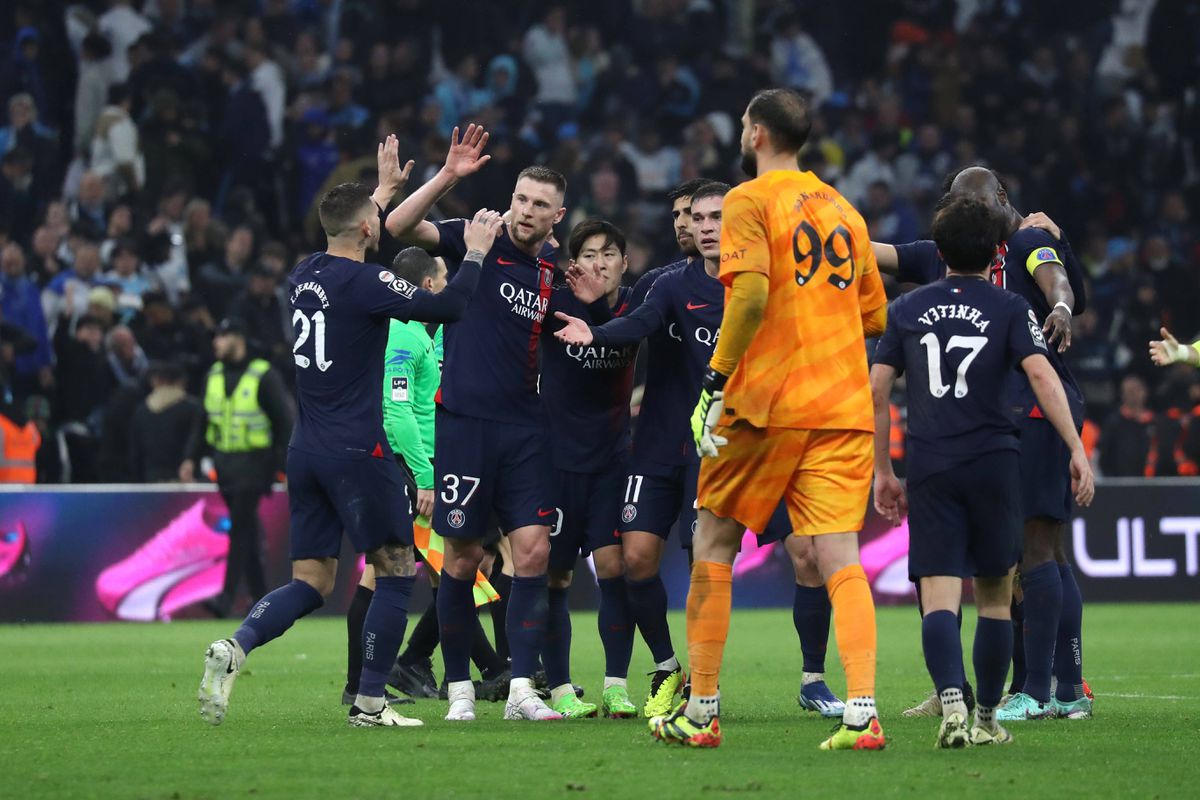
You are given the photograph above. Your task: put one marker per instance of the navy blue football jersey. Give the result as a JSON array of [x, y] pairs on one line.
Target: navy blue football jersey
[[585, 390], [687, 304], [340, 311], [957, 340], [490, 365], [1012, 269]]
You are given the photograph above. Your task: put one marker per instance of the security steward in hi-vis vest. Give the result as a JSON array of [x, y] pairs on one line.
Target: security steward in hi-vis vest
[[248, 421], [19, 436]]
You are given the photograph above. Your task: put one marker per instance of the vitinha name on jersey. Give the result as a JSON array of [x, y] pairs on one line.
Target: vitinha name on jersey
[[955, 311], [602, 357], [525, 303]]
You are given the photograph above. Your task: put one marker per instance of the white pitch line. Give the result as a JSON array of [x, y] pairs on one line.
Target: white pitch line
[[1149, 696]]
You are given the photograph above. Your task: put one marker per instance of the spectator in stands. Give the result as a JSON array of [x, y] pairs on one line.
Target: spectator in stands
[[116, 153], [163, 425], [545, 50], [798, 62], [88, 211], [21, 305], [91, 93], [19, 203], [1135, 441], [889, 218], [220, 281], [129, 280], [172, 145], [267, 79], [126, 360], [84, 382], [66, 297], [203, 235], [122, 25], [262, 307]]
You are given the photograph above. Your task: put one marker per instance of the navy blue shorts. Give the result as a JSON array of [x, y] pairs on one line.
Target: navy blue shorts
[[364, 497], [778, 529], [483, 466], [1045, 471], [586, 506], [966, 521], [656, 496]]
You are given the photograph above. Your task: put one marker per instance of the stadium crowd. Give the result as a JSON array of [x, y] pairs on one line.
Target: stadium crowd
[[161, 160]]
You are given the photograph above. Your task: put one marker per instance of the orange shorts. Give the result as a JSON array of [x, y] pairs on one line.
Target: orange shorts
[[824, 476]]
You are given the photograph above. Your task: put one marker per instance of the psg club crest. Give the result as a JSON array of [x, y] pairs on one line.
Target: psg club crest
[[547, 278], [1045, 254], [456, 518], [628, 513]]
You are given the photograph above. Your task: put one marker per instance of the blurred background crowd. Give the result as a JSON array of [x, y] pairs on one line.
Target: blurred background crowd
[[160, 162]]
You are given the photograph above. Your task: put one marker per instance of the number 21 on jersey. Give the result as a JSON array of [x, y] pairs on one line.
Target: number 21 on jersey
[[315, 328]]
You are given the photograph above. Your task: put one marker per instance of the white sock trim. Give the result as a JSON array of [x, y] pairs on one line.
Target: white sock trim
[[610, 682], [811, 677], [670, 665]]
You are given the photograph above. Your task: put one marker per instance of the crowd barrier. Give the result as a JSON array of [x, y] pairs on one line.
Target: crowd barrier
[[145, 553]]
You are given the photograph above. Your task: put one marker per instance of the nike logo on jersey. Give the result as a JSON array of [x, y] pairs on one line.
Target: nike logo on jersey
[[505, 262], [544, 513], [693, 306]]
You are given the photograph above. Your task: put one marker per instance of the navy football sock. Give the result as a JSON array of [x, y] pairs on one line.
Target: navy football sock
[[383, 631], [456, 610], [993, 650], [648, 604], [811, 611], [424, 639], [354, 628], [556, 655], [526, 624], [1068, 650], [485, 658], [1018, 647], [503, 585], [275, 613], [616, 626], [943, 649], [1043, 608]]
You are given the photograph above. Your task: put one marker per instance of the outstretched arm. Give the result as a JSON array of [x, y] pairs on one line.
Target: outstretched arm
[[407, 221], [1169, 351], [391, 177], [886, 258]]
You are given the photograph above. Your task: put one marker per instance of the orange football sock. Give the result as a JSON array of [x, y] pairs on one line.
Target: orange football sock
[[854, 626], [708, 606]]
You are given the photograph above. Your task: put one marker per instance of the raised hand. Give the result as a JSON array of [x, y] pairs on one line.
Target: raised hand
[[466, 157], [587, 285], [1168, 350], [575, 332], [480, 233], [387, 157]]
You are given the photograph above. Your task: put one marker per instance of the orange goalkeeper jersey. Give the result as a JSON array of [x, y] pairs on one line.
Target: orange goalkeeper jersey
[[807, 365]]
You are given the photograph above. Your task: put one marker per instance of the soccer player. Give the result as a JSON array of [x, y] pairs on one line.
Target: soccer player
[[958, 339], [490, 451], [686, 303], [341, 473], [412, 372], [1041, 268], [585, 393], [1168, 350], [785, 410]]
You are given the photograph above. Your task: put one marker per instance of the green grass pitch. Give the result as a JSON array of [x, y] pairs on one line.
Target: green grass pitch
[[110, 711]]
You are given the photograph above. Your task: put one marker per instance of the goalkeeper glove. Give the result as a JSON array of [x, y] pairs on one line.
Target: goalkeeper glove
[[707, 412]]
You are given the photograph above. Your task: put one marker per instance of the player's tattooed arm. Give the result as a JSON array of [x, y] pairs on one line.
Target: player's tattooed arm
[[890, 500], [465, 157], [886, 257], [394, 560], [1168, 350]]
